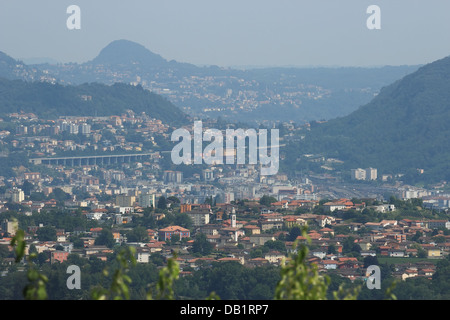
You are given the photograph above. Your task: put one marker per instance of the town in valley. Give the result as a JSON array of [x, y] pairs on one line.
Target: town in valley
[[113, 173]]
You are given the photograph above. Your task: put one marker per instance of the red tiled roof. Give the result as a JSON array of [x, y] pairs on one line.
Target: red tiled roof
[[174, 228]]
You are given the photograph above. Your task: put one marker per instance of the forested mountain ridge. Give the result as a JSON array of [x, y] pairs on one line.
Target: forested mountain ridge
[[403, 129], [52, 100], [13, 69]]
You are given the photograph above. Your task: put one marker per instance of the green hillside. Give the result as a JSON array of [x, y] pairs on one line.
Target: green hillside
[[404, 128], [52, 100]]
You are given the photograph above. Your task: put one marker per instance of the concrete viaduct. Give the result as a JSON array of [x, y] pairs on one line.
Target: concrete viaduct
[[91, 160]]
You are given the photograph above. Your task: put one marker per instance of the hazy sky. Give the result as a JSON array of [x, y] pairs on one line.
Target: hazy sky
[[233, 32]]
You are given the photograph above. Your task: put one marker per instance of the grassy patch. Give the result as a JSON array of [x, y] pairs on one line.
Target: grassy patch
[[393, 260]]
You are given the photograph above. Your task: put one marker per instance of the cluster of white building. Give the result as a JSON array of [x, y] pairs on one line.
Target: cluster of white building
[[368, 174]]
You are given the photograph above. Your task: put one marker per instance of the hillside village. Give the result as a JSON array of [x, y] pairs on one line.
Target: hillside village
[[253, 235]]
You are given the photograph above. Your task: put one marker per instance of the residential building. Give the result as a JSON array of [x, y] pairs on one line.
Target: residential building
[[433, 253], [208, 175], [17, 195], [143, 255], [123, 200], [173, 231], [438, 224], [199, 217], [358, 174], [59, 256], [274, 257], [85, 129], [338, 205], [371, 174], [368, 174], [9, 227], [147, 200], [173, 176]]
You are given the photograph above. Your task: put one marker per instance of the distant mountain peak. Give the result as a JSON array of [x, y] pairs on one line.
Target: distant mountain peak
[[120, 52]]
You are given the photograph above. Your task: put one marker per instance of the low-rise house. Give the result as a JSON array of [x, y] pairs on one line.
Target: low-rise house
[[338, 205], [377, 226], [232, 233], [409, 273], [371, 253], [348, 263], [89, 251], [227, 259], [386, 223], [271, 221], [365, 245], [411, 253], [274, 257], [155, 246], [309, 217], [323, 221], [176, 232], [143, 255], [433, 253], [397, 237], [438, 224], [95, 232], [252, 229], [58, 256], [256, 262], [88, 241], [426, 272], [215, 239], [383, 208], [329, 264], [246, 243], [261, 239], [198, 262], [384, 250], [294, 204], [44, 246], [327, 232], [61, 236], [95, 215], [152, 234], [67, 246], [444, 247], [399, 253], [353, 226], [314, 235], [291, 221], [269, 225], [320, 253], [100, 255], [283, 204], [210, 230]]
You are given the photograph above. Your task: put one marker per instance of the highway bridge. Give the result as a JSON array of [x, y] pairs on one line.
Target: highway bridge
[[92, 160]]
